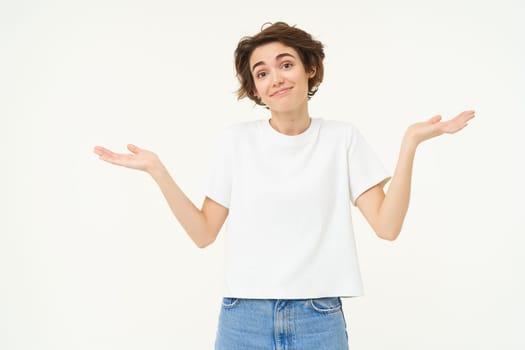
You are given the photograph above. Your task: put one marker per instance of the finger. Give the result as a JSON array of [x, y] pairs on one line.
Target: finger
[[458, 122], [453, 126], [115, 158], [469, 115], [466, 115], [98, 150], [435, 119], [101, 151], [133, 148], [463, 120], [108, 156]]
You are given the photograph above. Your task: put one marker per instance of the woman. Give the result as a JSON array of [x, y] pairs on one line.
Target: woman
[[287, 184]]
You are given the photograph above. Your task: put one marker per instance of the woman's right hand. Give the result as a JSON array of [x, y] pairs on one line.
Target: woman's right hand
[[140, 159]]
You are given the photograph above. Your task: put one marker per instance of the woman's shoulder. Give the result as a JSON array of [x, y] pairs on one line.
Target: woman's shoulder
[[341, 130]]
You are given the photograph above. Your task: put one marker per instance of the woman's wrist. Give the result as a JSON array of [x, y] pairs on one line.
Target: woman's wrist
[[156, 169], [410, 141]]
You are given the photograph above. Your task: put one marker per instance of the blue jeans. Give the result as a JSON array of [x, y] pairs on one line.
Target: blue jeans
[[278, 324]]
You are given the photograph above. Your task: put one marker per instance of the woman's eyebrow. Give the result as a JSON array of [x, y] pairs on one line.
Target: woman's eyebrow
[[278, 57]]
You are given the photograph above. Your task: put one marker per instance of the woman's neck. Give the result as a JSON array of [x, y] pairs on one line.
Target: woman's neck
[[291, 123]]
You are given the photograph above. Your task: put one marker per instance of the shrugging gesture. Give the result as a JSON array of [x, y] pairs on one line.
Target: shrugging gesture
[[287, 183], [386, 212], [202, 225]]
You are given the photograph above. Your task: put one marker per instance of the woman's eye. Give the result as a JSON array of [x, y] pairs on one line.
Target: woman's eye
[[287, 65], [261, 75]]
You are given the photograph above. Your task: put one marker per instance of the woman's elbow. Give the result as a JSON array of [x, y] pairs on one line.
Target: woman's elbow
[[389, 234], [205, 239], [389, 237], [204, 243]]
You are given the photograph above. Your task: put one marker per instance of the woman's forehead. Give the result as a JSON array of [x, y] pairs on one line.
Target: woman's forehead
[[271, 51]]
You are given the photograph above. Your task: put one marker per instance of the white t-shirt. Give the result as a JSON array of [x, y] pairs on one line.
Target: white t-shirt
[[289, 231]]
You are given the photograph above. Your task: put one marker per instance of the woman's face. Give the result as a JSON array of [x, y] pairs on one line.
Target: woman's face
[[280, 78]]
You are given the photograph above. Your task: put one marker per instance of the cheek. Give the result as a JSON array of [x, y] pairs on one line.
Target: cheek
[[259, 87]]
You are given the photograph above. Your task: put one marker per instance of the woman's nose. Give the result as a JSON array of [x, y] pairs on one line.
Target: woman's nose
[[277, 79]]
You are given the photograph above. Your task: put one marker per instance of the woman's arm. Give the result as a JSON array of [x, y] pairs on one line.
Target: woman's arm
[[201, 225], [386, 213]]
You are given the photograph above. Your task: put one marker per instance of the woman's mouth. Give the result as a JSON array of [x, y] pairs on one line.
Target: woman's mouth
[[280, 92]]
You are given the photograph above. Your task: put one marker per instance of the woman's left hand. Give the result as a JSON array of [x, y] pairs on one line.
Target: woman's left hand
[[433, 127]]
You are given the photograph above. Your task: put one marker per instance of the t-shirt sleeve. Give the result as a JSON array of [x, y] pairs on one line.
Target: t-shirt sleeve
[[219, 182], [365, 169]]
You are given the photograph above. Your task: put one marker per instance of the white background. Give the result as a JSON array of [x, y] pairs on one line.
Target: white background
[[92, 258]]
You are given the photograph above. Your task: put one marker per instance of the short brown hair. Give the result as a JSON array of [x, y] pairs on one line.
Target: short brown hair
[[310, 52]]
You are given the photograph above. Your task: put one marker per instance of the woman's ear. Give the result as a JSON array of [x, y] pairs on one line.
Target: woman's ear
[[312, 72]]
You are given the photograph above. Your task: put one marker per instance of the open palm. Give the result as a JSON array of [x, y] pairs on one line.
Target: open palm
[[434, 126], [139, 159]]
